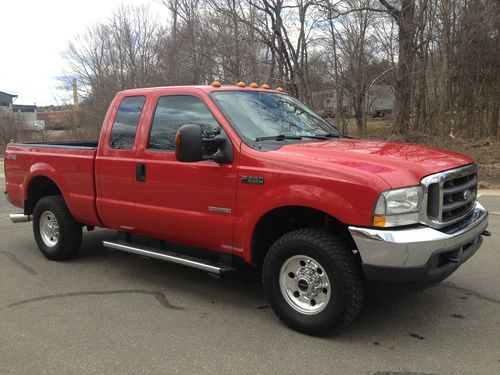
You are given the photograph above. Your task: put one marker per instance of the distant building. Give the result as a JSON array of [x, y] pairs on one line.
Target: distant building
[[27, 113], [62, 117], [57, 118], [379, 98], [6, 102]]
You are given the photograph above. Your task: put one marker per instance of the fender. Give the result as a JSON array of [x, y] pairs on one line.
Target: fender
[[44, 170], [316, 197], [78, 204]]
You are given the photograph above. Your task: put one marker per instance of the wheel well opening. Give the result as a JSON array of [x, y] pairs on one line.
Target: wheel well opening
[[39, 188], [283, 220]]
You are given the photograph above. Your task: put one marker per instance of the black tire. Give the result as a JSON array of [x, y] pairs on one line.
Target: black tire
[[70, 232], [341, 267]]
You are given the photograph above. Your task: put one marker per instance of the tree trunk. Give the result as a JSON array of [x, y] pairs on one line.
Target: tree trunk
[[495, 117], [405, 18], [359, 114], [405, 67]]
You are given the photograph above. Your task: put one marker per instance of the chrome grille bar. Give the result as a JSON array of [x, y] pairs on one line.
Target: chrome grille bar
[[456, 188], [449, 196], [459, 195]]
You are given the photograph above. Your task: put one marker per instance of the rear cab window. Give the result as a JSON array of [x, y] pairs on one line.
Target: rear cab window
[[126, 122]]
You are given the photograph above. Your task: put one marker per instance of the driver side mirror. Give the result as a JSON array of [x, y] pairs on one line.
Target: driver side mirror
[[188, 143], [189, 146]]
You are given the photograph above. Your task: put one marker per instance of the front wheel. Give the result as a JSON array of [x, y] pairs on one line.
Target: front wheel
[[313, 282], [57, 234]]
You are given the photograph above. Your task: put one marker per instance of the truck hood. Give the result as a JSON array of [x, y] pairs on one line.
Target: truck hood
[[399, 164]]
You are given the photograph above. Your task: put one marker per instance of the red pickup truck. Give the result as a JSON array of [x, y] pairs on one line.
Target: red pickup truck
[[248, 173]]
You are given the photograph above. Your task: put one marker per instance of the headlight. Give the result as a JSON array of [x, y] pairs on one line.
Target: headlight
[[398, 207]]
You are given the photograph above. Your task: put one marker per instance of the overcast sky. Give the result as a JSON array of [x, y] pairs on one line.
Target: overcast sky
[[34, 33]]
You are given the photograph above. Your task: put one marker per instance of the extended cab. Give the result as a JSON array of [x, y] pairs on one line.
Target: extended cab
[[252, 174]]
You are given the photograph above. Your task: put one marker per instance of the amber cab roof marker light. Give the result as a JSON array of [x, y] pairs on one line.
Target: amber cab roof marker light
[[254, 85], [216, 84], [265, 86], [241, 84], [280, 89]]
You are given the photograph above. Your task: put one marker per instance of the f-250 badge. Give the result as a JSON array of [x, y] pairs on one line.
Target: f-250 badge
[[255, 180]]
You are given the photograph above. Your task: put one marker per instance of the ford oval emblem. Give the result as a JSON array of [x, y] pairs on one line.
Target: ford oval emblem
[[468, 194]]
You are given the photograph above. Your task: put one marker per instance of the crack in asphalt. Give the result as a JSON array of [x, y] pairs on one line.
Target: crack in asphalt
[[14, 259], [159, 296], [450, 285]]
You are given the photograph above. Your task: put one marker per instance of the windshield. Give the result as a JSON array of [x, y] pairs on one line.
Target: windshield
[[261, 115]]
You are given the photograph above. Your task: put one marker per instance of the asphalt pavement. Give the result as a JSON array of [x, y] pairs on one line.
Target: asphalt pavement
[[114, 313]]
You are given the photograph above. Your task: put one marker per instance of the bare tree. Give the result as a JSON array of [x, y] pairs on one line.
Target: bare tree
[[285, 28], [118, 54], [441, 57], [12, 126]]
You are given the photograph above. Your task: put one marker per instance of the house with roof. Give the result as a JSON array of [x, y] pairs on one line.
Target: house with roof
[[379, 98], [26, 112], [6, 100]]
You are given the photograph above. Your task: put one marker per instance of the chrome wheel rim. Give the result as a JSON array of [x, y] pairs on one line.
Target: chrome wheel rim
[[49, 229], [305, 284]]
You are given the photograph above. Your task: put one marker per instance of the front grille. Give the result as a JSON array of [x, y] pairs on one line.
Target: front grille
[[459, 195], [451, 195]]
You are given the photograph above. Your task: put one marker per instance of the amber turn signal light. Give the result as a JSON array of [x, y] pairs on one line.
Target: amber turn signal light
[[241, 84], [216, 84], [280, 89], [178, 144], [254, 85], [265, 86], [379, 221]]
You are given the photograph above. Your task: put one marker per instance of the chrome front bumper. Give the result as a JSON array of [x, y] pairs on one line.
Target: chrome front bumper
[[420, 253]]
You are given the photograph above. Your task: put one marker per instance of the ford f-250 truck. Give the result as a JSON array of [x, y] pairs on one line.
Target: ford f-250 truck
[[251, 173]]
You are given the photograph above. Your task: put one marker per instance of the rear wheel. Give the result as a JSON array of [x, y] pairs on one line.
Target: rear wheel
[[57, 234], [313, 282]]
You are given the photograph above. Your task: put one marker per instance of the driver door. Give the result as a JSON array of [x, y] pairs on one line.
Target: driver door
[[188, 203]]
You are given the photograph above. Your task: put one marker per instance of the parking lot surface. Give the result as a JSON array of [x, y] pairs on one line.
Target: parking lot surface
[[114, 313]]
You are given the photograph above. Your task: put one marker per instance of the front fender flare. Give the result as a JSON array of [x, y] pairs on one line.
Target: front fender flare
[[309, 196]]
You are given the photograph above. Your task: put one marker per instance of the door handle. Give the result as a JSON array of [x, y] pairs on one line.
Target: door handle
[[140, 172]]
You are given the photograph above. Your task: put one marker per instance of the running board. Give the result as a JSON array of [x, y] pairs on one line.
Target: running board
[[149, 252]]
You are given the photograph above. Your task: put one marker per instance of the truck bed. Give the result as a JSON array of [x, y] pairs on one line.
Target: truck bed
[[65, 144], [69, 165]]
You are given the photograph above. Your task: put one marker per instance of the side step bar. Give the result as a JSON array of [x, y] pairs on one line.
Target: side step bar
[[200, 264], [19, 218]]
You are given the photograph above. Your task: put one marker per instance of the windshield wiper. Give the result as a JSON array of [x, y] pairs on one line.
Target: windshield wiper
[[329, 135], [282, 137], [279, 137], [316, 136]]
